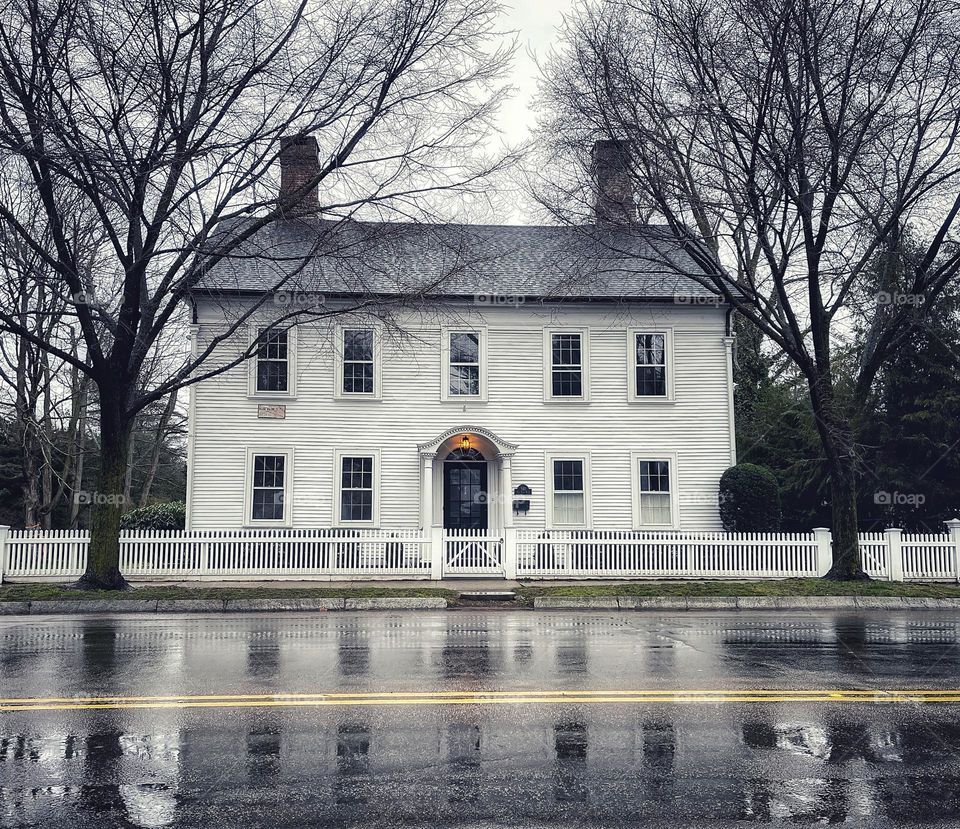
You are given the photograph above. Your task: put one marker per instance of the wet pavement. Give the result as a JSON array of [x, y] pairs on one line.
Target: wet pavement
[[380, 761]]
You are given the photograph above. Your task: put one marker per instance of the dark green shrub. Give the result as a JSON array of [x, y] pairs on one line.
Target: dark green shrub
[[749, 499], [169, 516]]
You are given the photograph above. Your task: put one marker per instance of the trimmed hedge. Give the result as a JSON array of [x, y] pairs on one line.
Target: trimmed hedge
[[749, 499], [169, 516]]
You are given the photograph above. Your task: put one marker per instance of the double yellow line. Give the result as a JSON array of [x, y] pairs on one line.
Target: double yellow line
[[390, 698]]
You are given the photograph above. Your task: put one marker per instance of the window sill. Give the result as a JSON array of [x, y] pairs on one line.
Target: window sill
[[264, 395], [362, 397], [657, 400], [565, 401], [464, 399], [266, 525]]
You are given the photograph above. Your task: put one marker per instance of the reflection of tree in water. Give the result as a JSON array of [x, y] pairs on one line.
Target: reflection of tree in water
[[853, 654], [353, 764], [570, 745], [100, 790], [463, 759]]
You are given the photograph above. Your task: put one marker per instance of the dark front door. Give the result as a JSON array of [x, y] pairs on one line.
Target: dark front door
[[465, 495]]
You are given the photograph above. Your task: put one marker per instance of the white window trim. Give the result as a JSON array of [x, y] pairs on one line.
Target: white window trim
[[632, 396], [481, 332], [548, 395], [338, 391], [584, 457], [338, 457], [252, 452], [291, 391], [671, 459]]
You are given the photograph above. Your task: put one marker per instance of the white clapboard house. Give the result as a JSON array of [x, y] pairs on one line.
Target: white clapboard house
[[543, 378]]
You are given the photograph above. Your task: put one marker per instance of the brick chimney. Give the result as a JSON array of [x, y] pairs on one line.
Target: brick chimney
[[298, 164], [613, 190]]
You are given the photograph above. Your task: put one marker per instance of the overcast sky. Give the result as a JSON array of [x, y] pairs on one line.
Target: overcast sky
[[535, 23]]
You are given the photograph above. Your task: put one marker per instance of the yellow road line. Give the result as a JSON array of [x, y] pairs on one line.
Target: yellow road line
[[397, 698], [386, 695]]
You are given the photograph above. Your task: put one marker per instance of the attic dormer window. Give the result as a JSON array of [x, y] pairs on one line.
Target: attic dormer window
[[272, 360]]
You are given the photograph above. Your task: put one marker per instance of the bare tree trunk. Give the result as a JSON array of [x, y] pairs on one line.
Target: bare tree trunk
[[47, 448], [158, 442], [81, 448], [103, 557], [836, 436], [126, 502]]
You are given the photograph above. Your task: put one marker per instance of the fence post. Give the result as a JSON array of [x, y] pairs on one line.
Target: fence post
[[510, 552], [436, 553], [824, 550], [4, 534], [893, 537], [953, 527], [204, 562]]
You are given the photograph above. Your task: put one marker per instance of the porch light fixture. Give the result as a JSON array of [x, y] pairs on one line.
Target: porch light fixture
[[465, 443]]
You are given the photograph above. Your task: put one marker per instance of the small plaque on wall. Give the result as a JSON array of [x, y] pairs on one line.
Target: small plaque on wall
[[271, 412]]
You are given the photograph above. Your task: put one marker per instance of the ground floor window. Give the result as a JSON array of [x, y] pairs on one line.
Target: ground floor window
[[568, 480], [268, 487], [656, 492], [357, 473]]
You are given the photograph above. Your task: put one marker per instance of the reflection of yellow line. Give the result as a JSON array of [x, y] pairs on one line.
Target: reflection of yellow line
[[393, 698]]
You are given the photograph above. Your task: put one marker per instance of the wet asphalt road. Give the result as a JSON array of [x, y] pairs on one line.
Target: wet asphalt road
[[242, 763]]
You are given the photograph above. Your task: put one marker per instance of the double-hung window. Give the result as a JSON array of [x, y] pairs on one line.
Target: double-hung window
[[649, 357], [269, 481], [464, 372], [566, 365], [272, 360], [358, 374], [569, 494], [655, 490], [357, 488]]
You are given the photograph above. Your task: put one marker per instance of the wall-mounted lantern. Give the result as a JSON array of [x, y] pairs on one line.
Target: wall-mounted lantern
[[522, 506], [465, 443]]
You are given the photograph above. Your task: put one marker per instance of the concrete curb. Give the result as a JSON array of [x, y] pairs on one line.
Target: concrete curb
[[74, 607], [742, 603]]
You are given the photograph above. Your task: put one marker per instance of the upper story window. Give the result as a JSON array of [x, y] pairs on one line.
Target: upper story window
[[358, 366], [463, 360], [464, 364], [566, 365], [649, 365], [273, 360]]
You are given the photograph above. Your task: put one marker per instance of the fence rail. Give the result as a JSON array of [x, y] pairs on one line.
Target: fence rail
[[324, 553]]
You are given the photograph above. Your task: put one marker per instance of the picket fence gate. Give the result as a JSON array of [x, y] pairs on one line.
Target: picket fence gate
[[410, 553]]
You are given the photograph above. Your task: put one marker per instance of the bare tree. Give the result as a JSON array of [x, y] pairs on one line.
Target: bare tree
[[163, 122], [790, 143]]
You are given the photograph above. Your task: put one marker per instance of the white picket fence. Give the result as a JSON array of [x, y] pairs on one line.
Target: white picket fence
[[328, 553], [32, 555]]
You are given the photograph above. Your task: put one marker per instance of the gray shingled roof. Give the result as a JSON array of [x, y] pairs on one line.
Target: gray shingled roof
[[644, 262]]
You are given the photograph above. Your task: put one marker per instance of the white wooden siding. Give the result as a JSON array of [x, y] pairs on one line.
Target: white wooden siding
[[411, 410]]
